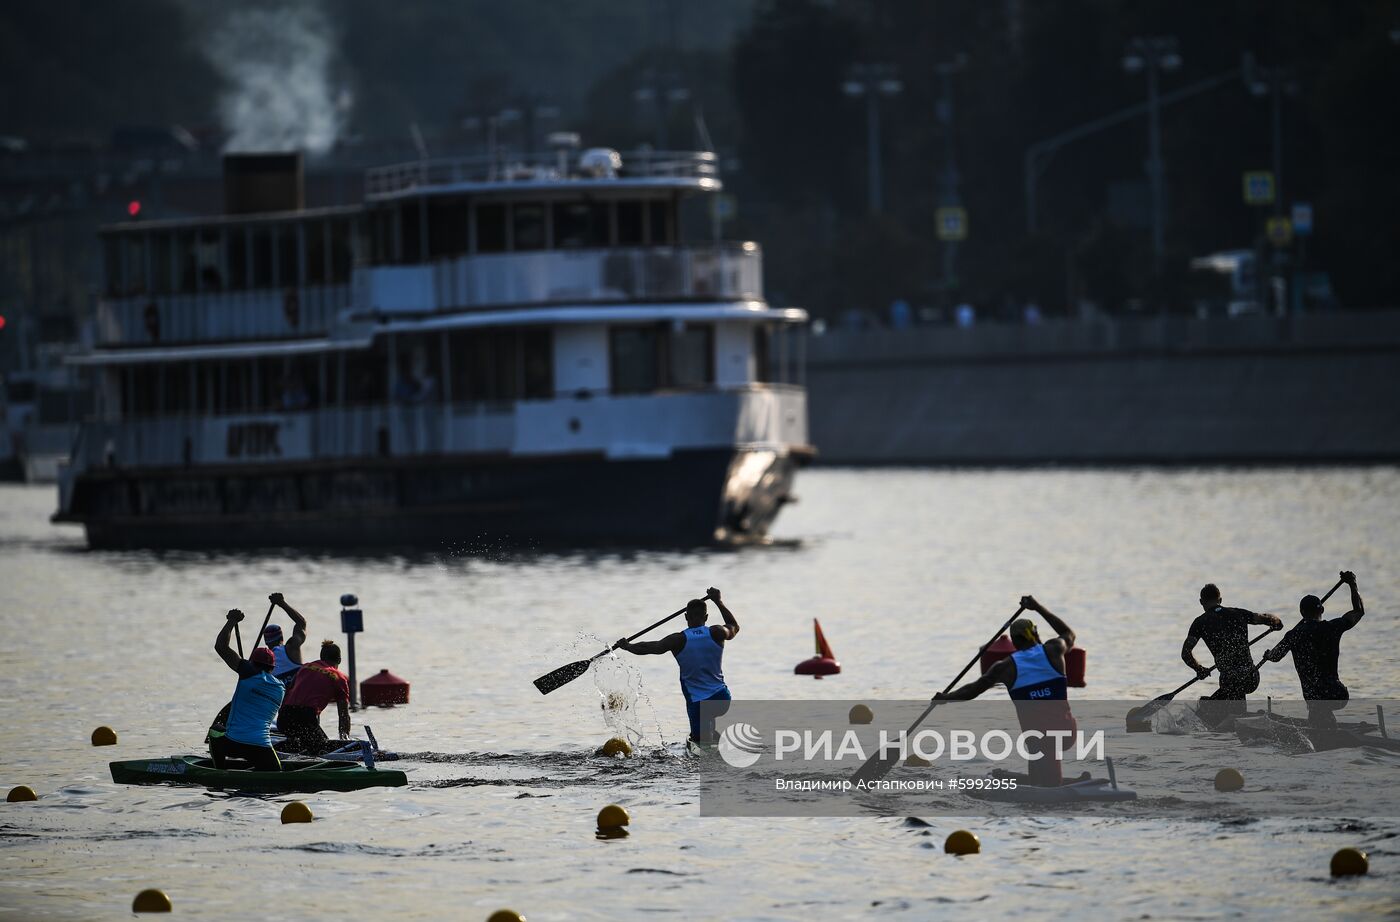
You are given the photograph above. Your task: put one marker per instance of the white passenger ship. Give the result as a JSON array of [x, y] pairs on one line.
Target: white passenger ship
[[530, 351]]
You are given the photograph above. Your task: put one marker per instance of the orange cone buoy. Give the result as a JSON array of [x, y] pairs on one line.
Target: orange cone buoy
[[824, 663]]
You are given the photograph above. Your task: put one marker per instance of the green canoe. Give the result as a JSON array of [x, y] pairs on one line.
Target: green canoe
[[296, 775]]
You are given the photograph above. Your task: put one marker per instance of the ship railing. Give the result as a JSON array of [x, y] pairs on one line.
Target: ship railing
[[766, 414], [278, 313], [725, 271], [541, 167]]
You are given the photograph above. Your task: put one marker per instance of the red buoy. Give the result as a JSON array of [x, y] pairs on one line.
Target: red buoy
[[824, 663], [997, 651], [383, 689], [1002, 647]]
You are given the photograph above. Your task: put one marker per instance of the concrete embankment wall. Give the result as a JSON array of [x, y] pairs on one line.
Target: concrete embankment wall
[[1259, 389]]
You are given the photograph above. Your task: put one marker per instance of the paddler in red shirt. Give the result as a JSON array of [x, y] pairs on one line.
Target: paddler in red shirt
[[317, 685]]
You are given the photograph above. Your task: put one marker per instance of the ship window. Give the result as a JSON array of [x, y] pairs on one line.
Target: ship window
[[112, 265], [366, 373], [447, 227], [135, 264], [538, 348], [342, 254], [633, 359], [211, 277], [160, 263], [661, 231], [411, 230], [288, 271], [315, 232], [580, 224], [527, 226], [236, 244], [381, 230], [490, 228], [261, 243], [188, 262], [630, 231], [690, 357], [762, 358]]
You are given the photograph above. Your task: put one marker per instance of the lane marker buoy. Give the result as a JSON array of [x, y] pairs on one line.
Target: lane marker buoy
[[824, 663], [506, 915], [1229, 779], [151, 901], [104, 736], [1350, 862], [962, 842], [611, 820], [21, 794], [617, 746], [296, 812], [913, 761], [861, 714]]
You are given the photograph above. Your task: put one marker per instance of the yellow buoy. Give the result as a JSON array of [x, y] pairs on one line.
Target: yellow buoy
[[913, 761], [21, 794], [104, 736], [1229, 779], [962, 842], [860, 714], [296, 812], [617, 746], [151, 901], [506, 915], [611, 819], [1350, 862]]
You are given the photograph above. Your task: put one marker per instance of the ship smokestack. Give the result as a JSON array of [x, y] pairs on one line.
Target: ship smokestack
[[260, 183]]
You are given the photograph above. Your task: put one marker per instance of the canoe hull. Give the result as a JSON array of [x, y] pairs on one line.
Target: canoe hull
[[299, 776]]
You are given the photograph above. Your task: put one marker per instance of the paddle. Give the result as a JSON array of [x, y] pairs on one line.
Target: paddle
[[1140, 718], [238, 636], [259, 637], [879, 765], [566, 674]]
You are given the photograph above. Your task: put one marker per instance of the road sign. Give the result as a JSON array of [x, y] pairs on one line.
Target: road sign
[[1280, 231], [722, 207], [952, 223], [1259, 187], [1302, 219]]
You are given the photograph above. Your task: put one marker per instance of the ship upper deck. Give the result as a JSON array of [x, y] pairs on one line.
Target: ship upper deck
[[592, 170]]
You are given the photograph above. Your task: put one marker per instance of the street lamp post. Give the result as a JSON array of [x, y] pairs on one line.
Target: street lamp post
[[1154, 56], [949, 179], [872, 81]]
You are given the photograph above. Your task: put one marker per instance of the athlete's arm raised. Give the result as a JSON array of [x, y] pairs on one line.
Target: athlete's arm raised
[[1358, 610], [730, 626]]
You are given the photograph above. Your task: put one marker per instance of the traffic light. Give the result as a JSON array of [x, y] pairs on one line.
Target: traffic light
[[2, 321], [133, 207]]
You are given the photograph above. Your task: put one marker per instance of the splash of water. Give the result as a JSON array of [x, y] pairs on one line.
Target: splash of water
[[278, 63], [626, 709]]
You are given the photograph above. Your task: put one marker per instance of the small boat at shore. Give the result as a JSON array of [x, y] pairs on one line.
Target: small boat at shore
[[297, 776]]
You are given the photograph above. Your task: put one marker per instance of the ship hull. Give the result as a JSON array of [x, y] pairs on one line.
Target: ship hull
[[689, 498]]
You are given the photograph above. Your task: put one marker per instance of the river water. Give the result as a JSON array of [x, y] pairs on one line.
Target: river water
[[908, 571]]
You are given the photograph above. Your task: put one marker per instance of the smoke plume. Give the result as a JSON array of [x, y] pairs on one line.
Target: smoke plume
[[278, 62]]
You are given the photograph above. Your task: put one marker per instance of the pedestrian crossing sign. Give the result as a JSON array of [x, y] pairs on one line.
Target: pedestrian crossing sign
[[952, 223], [1259, 187]]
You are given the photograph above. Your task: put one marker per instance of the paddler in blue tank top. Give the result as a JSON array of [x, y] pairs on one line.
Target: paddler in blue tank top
[[256, 700], [699, 652], [1034, 676]]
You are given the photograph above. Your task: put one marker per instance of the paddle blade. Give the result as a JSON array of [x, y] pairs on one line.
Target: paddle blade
[[562, 676], [1140, 718], [876, 767]]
